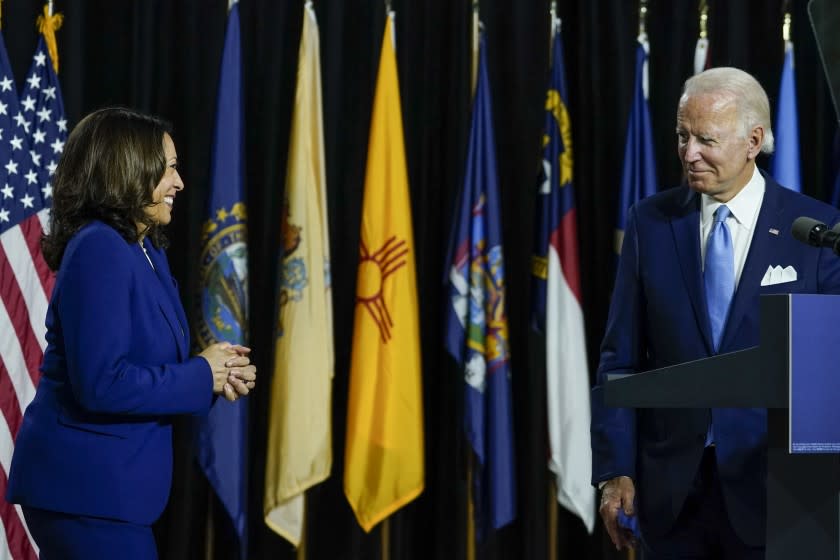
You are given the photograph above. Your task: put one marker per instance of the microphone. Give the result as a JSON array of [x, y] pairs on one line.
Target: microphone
[[815, 233]]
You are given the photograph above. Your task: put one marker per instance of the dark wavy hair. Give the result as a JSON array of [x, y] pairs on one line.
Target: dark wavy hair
[[111, 164]]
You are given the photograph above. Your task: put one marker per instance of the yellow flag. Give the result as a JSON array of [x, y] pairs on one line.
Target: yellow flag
[[383, 463], [299, 434]]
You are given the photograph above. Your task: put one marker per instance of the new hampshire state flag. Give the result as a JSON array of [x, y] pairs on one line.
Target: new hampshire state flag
[[476, 325], [222, 438], [557, 305], [384, 458]]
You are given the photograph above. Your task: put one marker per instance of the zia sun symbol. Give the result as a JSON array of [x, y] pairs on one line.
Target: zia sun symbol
[[373, 270]]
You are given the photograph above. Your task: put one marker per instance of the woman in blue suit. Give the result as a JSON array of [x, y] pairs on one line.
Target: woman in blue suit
[[92, 465]]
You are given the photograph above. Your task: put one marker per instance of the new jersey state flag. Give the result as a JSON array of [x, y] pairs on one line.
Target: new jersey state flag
[[299, 451], [383, 461]]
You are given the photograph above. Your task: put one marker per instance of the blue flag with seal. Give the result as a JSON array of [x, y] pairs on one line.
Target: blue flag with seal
[[222, 435], [784, 166], [476, 325], [638, 175]]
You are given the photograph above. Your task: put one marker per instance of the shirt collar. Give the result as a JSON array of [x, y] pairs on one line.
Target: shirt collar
[[743, 206]]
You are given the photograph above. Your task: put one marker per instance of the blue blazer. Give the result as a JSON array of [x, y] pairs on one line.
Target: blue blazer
[[97, 438], [658, 318]]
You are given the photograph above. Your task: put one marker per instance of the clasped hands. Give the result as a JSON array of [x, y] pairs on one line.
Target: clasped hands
[[233, 374]]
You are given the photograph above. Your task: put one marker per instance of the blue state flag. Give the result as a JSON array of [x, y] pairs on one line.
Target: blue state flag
[[638, 176], [222, 437], [784, 166], [476, 326]]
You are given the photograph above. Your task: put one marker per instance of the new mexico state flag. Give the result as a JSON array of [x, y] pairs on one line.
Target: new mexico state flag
[[383, 462]]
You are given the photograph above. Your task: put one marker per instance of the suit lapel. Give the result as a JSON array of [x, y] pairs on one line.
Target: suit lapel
[[167, 298], [762, 245], [686, 229]]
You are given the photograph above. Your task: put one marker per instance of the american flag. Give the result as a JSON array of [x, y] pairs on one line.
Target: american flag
[[32, 134]]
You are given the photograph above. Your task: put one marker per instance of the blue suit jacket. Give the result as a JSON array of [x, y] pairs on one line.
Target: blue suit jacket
[[658, 318], [97, 438]]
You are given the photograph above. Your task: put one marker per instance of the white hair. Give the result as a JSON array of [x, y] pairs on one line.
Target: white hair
[[750, 99]]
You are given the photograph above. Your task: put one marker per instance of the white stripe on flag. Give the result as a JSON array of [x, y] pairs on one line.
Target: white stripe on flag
[[5, 553], [44, 218], [11, 355], [7, 446], [567, 387], [32, 542], [20, 261]]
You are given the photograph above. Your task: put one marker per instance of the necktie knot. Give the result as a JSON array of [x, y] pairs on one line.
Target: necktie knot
[[722, 213]]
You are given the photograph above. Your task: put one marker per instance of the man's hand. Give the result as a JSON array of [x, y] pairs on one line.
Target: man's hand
[[618, 493]]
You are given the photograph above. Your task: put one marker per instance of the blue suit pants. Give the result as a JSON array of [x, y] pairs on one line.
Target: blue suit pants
[[62, 536]]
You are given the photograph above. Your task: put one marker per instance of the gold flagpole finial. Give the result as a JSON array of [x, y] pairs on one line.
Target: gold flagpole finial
[[704, 19], [643, 9]]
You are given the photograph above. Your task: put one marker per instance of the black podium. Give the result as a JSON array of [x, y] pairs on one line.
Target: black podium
[[803, 490]]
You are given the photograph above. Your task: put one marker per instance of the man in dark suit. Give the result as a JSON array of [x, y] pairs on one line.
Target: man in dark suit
[[693, 263]]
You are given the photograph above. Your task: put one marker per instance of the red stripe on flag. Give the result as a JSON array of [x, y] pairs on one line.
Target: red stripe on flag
[[32, 232], [16, 536], [564, 241], [9, 401], [12, 299]]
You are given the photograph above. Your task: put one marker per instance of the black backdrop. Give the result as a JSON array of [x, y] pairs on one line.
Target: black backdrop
[[163, 56]]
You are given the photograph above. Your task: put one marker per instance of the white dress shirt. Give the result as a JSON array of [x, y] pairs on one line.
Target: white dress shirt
[[741, 221]]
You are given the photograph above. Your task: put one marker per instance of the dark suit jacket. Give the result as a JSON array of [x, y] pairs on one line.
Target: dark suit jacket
[[658, 318], [96, 440]]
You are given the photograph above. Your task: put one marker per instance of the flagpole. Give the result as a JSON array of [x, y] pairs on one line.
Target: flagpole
[[470, 507], [786, 23], [210, 532], [475, 33], [553, 506], [385, 528], [301, 551], [470, 459], [701, 49], [553, 512]]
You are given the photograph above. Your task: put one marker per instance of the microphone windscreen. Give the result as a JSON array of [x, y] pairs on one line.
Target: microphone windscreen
[[802, 228]]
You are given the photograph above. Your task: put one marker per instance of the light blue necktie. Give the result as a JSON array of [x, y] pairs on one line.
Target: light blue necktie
[[719, 274], [719, 278]]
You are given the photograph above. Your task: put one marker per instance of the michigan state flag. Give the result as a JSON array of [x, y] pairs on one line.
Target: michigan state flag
[[476, 326]]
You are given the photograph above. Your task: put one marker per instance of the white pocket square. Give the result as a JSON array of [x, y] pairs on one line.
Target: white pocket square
[[778, 275]]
